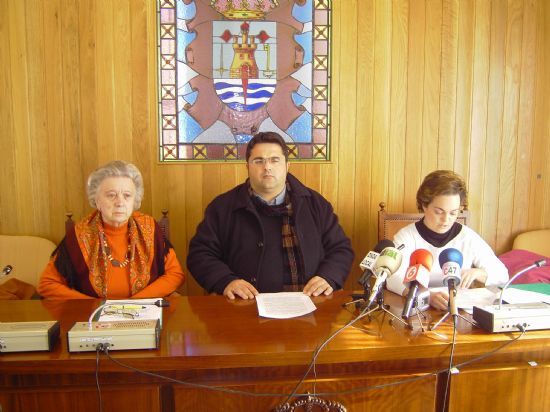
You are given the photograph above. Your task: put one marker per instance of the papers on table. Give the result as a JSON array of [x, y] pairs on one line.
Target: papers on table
[[468, 298], [284, 305], [131, 309], [513, 295]]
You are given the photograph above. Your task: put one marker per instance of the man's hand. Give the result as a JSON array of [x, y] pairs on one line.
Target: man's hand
[[317, 286], [240, 288]]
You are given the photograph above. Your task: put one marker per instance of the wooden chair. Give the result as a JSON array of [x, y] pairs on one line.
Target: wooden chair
[[163, 222], [536, 241], [390, 223], [27, 255]]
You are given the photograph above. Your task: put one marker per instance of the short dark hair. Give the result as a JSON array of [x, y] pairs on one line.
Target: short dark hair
[[266, 137], [441, 182]]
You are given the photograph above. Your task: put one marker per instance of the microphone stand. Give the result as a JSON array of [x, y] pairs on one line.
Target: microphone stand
[[417, 313], [382, 307], [357, 298], [455, 315]]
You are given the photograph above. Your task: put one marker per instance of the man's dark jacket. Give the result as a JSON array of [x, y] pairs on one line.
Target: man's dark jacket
[[229, 243]]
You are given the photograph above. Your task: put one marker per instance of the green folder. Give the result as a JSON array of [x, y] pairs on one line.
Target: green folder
[[534, 287]]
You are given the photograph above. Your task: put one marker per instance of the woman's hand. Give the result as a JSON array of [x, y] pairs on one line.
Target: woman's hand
[[471, 275], [439, 300]]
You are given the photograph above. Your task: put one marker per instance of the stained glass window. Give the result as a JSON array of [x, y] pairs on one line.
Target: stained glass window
[[231, 68]]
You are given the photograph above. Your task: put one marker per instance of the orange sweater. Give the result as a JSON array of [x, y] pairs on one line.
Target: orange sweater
[[54, 286]]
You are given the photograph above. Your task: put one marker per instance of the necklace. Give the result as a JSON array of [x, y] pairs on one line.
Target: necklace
[[108, 253]]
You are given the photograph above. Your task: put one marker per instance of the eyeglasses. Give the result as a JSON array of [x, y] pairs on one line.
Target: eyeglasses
[[125, 313], [261, 161]]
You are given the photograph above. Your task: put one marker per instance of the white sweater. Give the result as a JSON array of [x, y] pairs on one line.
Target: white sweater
[[475, 251]]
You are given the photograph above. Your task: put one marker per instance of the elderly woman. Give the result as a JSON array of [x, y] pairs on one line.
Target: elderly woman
[[115, 252], [441, 197]]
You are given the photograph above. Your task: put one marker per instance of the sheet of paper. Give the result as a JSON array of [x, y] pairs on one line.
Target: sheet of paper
[[512, 295], [466, 299], [284, 305]]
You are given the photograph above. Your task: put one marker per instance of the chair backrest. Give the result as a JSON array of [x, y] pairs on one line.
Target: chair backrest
[[390, 223], [28, 256], [536, 241], [163, 222]]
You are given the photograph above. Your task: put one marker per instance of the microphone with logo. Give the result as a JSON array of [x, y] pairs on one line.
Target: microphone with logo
[[450, 261], [418, 274], [386, 265], [368, 263]]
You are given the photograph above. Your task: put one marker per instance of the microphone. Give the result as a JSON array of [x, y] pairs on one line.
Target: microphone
[[7, 270], [386, 265], [418, 274], [367, 264], [536, 264], [450, 261]]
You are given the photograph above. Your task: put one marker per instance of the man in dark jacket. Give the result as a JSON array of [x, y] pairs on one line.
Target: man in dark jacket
[[270, 233]]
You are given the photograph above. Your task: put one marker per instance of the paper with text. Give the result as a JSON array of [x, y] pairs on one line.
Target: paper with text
[[284, 305]]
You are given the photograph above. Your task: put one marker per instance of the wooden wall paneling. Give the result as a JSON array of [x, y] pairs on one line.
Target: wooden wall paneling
[[480, 102], [398, 110], [415, 103], [192, 186], [38, 134], [75, 177], [20, 102], [544, 136], [122, 81], [8, 210], [381, 150], [53, 109], [298, 170], [522, 178], [172, 180], [447, 100], [105, 96], [494, 123], [313, 176], [89, 104], [432, 87], [512, 75], [465, 52], [211, 183], [363, 225], [228, 176], [143, 131], [345, 183], [539, 205]]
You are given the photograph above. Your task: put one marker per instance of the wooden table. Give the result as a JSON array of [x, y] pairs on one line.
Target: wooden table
[[212, 341]]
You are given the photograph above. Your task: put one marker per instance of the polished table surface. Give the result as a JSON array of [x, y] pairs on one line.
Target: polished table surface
[[213, 339]]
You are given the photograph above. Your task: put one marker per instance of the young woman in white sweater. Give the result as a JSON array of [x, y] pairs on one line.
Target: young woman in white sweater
[[441, 197]]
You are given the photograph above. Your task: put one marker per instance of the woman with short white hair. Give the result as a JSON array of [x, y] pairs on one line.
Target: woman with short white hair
[[115, 252]]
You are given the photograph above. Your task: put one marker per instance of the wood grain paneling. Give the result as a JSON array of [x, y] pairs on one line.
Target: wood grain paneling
[[416, 85]]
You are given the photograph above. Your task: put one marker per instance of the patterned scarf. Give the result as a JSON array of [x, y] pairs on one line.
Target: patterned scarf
[[291, 245], [141, 238]]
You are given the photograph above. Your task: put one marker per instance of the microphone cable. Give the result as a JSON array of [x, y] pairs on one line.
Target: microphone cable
[[104, 348], [453, 344], [99, 348]]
